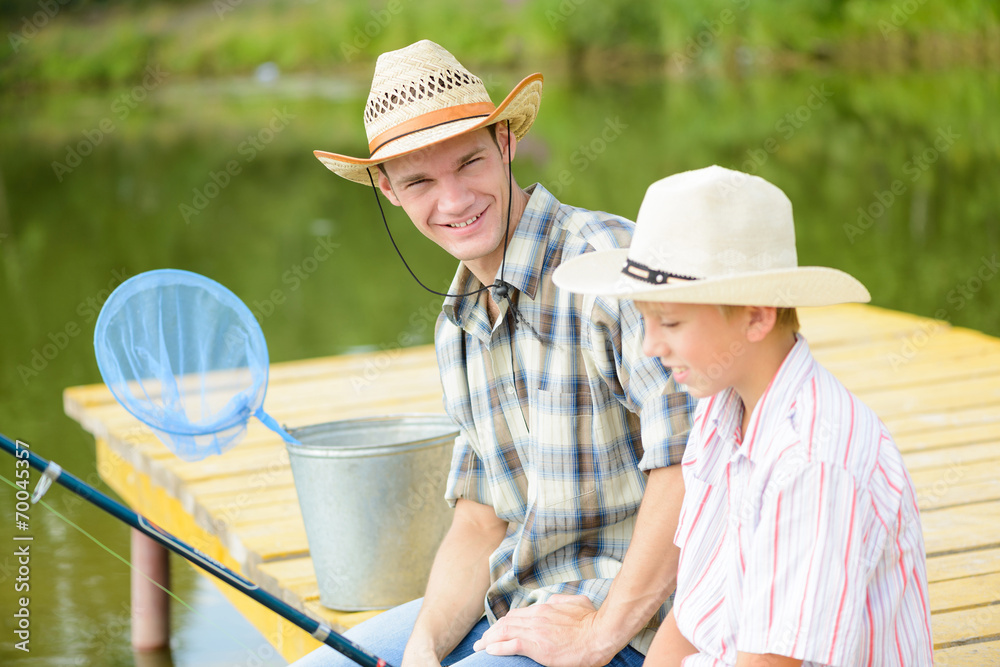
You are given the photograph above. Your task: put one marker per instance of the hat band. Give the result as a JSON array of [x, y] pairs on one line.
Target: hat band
[[648, 275], [431, 119]]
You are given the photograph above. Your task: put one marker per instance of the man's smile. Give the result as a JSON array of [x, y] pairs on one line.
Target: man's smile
[[465, 223]]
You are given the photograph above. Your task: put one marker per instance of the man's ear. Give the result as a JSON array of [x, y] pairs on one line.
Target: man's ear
[[760, 322], [386, 187], [506, 140]]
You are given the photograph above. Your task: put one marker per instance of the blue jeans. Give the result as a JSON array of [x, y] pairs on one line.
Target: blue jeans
[[385, 636]]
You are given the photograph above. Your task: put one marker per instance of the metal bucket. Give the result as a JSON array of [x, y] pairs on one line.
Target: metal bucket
[[372, 499]]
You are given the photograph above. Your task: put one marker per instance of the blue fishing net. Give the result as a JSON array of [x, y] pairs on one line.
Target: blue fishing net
[[185, 356]]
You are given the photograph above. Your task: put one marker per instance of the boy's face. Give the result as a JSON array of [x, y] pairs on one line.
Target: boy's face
[[455, 193], [701, 346]]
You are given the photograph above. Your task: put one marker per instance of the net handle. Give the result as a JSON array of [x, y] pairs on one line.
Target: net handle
[[272, 424]]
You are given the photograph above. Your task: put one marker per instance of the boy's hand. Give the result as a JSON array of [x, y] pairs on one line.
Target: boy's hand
[[559, 633]]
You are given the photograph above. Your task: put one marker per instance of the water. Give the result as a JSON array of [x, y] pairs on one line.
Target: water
[[893, 178]]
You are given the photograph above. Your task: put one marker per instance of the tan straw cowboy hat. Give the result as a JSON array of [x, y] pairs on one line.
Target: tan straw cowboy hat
[[712, 236], [421, 95]]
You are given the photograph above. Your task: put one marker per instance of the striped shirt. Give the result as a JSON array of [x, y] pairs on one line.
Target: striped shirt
[[552, 432], [804, 539]]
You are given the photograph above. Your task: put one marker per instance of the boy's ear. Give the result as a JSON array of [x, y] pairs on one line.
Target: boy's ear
[[760, 322], [386, 187]]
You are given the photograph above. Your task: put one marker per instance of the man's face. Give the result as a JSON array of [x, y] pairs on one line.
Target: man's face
[[455, 193]]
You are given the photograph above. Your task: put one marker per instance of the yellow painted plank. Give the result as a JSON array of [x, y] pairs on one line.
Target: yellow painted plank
[[359, 380], [292, 371], [356, 388], [954, 344], [896, 355], [288, 639], [318, 610], [284, 573], [937, 396], [335, 366], [258, 463], [986, 453], [935, 371], [366, 372], [951, 628], [965, 593], [291, 641], [853, 323], [961, 528], [979, 654], [958, 476], [213, 491], [936, 420], [948, 438], [964, 564], [243, 521], [226, 499], [953, 474], [943, 494], [274, 543], [893, 354]]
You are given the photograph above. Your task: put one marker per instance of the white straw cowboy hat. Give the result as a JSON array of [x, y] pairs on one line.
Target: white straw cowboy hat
[[421, 95], [711, 236]]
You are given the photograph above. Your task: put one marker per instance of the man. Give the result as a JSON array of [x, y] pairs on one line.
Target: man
[[551, 392]]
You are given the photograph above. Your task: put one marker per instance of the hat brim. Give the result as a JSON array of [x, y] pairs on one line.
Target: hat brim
[[520, 107], [600, 273]]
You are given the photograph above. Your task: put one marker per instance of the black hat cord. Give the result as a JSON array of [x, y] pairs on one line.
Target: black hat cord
[[501, 289]]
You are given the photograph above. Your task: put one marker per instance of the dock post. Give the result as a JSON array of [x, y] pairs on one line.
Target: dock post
[[150, 604]]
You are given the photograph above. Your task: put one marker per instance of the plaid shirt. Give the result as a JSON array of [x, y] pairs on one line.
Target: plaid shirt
[[550, 431]]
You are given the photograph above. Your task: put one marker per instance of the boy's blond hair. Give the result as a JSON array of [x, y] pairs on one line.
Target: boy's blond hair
[[785, 318]]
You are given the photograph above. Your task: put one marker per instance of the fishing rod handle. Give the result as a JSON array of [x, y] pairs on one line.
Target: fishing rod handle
[[320, 631]]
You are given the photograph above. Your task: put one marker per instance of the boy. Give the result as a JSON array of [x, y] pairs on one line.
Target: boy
[[799, 532]]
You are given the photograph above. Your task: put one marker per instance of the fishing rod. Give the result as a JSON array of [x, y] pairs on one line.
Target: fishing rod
[[52, 472]]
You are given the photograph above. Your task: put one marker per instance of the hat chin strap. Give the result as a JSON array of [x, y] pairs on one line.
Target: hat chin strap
[[501, 288]]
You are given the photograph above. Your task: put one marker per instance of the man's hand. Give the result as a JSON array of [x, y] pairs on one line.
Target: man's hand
[[562, 632], [567, 630]]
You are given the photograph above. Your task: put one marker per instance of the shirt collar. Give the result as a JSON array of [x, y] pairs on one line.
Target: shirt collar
[[525, 257], [779, 395], [728, 414]]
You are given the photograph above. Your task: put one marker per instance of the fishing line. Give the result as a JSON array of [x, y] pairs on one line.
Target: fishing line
[[317, 629], [197, 613]]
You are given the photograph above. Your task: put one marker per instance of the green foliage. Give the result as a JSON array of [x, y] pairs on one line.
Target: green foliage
[[112, 41]]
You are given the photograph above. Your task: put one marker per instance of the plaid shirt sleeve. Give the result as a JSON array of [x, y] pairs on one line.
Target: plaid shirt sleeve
[[467, 478], [641, 383]]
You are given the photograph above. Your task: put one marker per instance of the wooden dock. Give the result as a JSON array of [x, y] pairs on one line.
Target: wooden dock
[[936, 387]]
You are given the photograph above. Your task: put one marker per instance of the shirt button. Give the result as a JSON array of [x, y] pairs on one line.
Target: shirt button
[[510, 389]]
